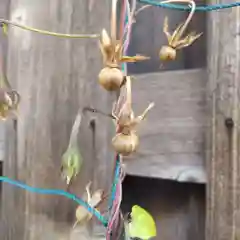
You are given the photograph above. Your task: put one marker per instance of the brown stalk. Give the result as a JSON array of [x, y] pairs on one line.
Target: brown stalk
[[114, 21], [126, 113]]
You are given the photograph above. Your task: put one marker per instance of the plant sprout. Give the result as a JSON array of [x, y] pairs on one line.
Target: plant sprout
[[126, 140], [175, 40], [111, 77], [82, 214]]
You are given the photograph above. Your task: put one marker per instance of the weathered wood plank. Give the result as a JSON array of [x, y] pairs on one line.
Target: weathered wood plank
[[54, 77], [223, 198], [172, 138], [102, 153]]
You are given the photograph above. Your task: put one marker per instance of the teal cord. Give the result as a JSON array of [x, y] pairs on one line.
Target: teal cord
[[206, 8], [59, 192], [115, 181]]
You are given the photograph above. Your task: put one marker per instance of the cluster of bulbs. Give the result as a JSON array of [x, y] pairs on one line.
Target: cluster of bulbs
[[111, 78]]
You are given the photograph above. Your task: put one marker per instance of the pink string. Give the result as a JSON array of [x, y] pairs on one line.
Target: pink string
[[115, 211], [128, 28], [114, 216]]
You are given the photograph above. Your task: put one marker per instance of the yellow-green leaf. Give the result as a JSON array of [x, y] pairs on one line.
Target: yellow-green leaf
[[142, 224], [132, 59], [5, 28]]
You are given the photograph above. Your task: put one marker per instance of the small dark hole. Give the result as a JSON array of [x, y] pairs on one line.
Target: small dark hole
[[92, 123], [229, 123]]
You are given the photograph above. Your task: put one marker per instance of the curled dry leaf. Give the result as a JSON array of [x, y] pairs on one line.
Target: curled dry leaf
[[175, 40], [126, 140], [9, 101], [111, 77], [72, 160], [82, 214]]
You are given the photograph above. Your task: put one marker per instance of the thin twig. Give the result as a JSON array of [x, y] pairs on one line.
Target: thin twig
[[93, 110], [129, 92], [141, 9], [114, 21], [122, 19], [129, 25], [63, 35]]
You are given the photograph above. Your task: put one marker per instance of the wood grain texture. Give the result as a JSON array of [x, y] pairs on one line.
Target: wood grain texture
[[4, 12], [178, 208], [223, 198], [172, 137], [54, 77]]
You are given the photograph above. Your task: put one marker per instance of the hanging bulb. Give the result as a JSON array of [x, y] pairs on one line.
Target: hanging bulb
[[125, 144], [111, 78]]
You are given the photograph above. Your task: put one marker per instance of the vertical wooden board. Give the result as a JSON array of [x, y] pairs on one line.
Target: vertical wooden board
[[102, 153], [4, 10], [101, 99], [54, 79], [223, 203]]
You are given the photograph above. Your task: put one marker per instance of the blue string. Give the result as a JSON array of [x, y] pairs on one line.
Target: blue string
[[56, 192], [206, 8], [115, 181]]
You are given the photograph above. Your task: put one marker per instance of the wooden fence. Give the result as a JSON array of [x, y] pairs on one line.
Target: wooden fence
[[191, 136]]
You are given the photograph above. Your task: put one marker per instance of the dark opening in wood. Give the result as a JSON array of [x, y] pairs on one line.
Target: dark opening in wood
[[178, 208]]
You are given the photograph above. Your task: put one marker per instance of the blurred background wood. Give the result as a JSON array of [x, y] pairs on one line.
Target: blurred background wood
[[223, 198]]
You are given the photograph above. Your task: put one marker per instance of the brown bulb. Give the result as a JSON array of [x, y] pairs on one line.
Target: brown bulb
[[125, 144], [111, 78], [167, 53]]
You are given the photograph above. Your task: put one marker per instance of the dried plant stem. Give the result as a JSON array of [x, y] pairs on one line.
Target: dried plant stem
[[128, 92], [184, 26], [121, 25], [93, 110], [129, 25], [126, 110], [141, 9], [45, 32], [114, 21]]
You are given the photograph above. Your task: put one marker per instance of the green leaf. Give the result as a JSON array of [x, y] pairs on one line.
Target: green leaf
[[5, 28], [142, 224], [71, 164]]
